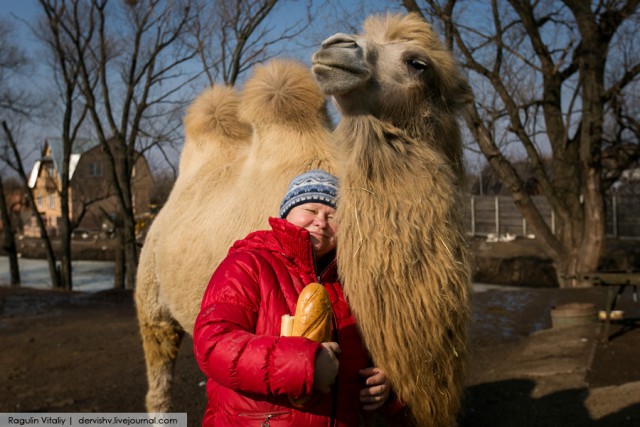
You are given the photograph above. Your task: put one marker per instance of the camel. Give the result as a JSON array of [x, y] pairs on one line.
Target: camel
[[402, 255], [241, 152]]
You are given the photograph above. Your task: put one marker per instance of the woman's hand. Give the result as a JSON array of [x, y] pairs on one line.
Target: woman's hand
[[326, 367], [377, 391]]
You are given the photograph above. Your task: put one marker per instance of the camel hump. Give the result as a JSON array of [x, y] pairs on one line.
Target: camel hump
[[213, 115], [283, 92]]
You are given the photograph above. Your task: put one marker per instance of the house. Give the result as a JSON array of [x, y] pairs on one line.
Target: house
[[92, 199]]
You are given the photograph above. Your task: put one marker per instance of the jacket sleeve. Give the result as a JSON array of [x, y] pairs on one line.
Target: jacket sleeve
[[227, 348]]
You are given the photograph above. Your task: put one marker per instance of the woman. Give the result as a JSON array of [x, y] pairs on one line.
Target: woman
[[252, 372]]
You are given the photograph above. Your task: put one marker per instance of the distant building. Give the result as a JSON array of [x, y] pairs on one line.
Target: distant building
[[92, 199]]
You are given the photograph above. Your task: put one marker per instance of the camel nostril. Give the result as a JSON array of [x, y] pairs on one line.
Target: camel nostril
[[340, 40]]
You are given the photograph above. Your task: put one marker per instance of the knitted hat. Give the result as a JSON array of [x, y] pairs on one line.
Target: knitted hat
[[315, 186]]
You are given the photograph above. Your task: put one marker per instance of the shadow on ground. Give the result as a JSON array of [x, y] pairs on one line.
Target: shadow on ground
[[509, 403]]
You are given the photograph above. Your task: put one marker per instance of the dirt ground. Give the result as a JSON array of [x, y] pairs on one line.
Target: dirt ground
[[82, 353]]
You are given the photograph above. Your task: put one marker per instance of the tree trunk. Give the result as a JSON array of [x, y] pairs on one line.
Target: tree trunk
[[580, 228], [65, 226], [592, 74], [119, 267], [128, 222], [593, 231], [54, 272], [65, 258], [131, 249], [120, 264], [9, 238]]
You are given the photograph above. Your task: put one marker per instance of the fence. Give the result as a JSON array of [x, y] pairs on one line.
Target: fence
[[498, 215]]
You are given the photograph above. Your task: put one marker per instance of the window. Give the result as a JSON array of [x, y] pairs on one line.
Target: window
[[95, 169], [52, 200], [40, 200]]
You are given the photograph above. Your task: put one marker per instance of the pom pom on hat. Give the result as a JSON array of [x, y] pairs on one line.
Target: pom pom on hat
[[314, 186]]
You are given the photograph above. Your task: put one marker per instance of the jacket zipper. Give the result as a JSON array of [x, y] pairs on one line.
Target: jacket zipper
[[334, 389], [265, 423], [267, 416], [315, 269]]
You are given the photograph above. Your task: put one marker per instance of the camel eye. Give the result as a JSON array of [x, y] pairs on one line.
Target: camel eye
[[417, 65]]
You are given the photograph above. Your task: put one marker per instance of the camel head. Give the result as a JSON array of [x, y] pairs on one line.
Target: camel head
[[397, 70]]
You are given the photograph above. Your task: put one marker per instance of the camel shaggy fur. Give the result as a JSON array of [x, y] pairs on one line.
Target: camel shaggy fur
[[240, 153], [402, 254]]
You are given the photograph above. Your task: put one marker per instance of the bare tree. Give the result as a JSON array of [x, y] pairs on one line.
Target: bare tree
[[12, 61], [66, 71], [232, 36], [558, 78], [130, 58]]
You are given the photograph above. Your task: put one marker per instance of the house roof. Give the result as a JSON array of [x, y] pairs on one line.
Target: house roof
[[80, 146], [34, 174]]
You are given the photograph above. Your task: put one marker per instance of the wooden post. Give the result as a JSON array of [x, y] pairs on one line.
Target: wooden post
[[614, 211], [473, 216], [497, 208]]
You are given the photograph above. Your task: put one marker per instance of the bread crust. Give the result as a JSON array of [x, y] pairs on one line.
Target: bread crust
[[313, 314]]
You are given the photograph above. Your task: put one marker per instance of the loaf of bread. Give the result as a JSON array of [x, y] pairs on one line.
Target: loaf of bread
[[312, 320], [313, 314], [286, 327]]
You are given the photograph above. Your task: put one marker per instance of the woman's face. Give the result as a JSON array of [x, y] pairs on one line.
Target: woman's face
[[319, 220]]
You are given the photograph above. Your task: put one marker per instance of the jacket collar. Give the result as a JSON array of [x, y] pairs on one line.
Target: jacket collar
[[295, 244]]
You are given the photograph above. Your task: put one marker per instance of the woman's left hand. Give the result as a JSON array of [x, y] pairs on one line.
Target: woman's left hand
[[377, 388]]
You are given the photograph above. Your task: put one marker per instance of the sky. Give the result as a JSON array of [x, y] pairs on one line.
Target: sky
[[23, 8], [22, 13], [26, 10]]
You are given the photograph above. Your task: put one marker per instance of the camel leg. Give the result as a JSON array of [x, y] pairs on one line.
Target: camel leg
[[161, 334], [161, 342]]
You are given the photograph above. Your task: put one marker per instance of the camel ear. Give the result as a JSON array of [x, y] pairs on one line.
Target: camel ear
[[282, 92], [461, 94], [448, 82]]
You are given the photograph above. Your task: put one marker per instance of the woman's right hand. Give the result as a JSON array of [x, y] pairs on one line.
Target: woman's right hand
[[326, 367]]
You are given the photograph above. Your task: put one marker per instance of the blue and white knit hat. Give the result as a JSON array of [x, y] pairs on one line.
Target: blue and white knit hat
[[315, 186]]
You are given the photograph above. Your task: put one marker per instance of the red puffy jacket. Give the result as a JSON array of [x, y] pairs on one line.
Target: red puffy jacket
[[251, 369]]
